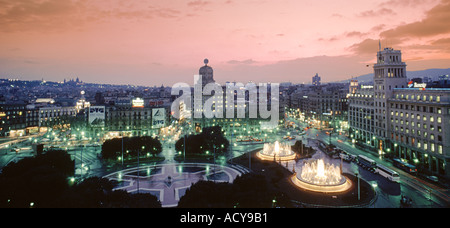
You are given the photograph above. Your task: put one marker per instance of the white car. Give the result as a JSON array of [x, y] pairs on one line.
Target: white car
[[433, 178]]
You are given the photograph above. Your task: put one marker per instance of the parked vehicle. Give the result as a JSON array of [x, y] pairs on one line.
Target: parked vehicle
[[388, 173], [367, 163], [404, 166]]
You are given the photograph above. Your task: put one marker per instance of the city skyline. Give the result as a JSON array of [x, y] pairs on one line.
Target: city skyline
[[153, 43]]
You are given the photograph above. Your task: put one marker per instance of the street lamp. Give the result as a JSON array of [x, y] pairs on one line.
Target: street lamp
[[142, 148], [357, 176]]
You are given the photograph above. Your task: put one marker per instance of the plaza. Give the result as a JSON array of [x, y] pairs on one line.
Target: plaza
[[169, 182]]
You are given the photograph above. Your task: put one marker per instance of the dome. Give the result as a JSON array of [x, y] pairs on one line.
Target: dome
[[207, 73], [205, 70]]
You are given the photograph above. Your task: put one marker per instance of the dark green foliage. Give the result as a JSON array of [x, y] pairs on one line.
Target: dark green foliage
[[40, 179], [96, 192], [44, 181], [247, 191], [206, 141], [112, 148], [207, 194]]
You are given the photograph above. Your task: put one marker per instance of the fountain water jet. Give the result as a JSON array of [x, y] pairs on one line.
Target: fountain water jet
[[276, 151], [317, 176]]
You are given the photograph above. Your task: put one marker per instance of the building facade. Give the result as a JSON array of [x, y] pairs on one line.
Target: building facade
[[13, 120], [361, 115], [419, 127], [397, 120]]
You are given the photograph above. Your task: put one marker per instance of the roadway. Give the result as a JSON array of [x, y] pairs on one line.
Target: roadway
[[424, 193]]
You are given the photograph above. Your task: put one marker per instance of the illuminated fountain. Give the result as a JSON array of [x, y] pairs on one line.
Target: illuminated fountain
[[276, 151], [317, 176]]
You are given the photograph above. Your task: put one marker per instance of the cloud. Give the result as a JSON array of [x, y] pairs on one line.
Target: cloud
[[378, 28], [246, 62], [436, 22], [371, 46], [149, 13], [444, 41], [331, 39], [355, 34], [198, 3], [405, 3], [29, 15], [427, 36], [377, 13], [63, 15], [366, 47], [337, 15]]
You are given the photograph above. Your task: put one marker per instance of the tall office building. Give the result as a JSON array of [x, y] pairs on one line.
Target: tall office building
[[389, 73], [316, 80], [400, 119]]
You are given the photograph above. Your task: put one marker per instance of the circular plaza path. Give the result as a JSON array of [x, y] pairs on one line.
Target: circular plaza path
[[169, 182]]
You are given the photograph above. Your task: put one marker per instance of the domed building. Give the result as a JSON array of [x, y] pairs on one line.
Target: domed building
[[207, 73]]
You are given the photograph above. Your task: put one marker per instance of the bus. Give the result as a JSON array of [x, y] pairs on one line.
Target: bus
[[388, 173], [367, 163], [404, 166]]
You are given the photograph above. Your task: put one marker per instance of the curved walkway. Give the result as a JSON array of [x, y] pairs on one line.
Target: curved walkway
[[169, 182]]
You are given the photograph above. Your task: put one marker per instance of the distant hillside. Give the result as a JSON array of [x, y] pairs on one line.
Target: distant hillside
[[431, 73]]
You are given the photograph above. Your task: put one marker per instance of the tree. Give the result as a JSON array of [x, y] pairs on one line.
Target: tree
[[39, 180], [207, 194], [210, 139], [247, 191], [112, 148], [43, 181], [96, 192]]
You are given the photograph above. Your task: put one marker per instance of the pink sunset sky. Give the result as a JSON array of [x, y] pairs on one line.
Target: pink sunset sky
[[156, 42]]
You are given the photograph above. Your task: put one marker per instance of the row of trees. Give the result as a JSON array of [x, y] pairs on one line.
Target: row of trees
[[112, 148], [247, 191], [209, 140], [46, 180]]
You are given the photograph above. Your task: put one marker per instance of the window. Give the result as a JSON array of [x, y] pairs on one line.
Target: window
[[439, 119]]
